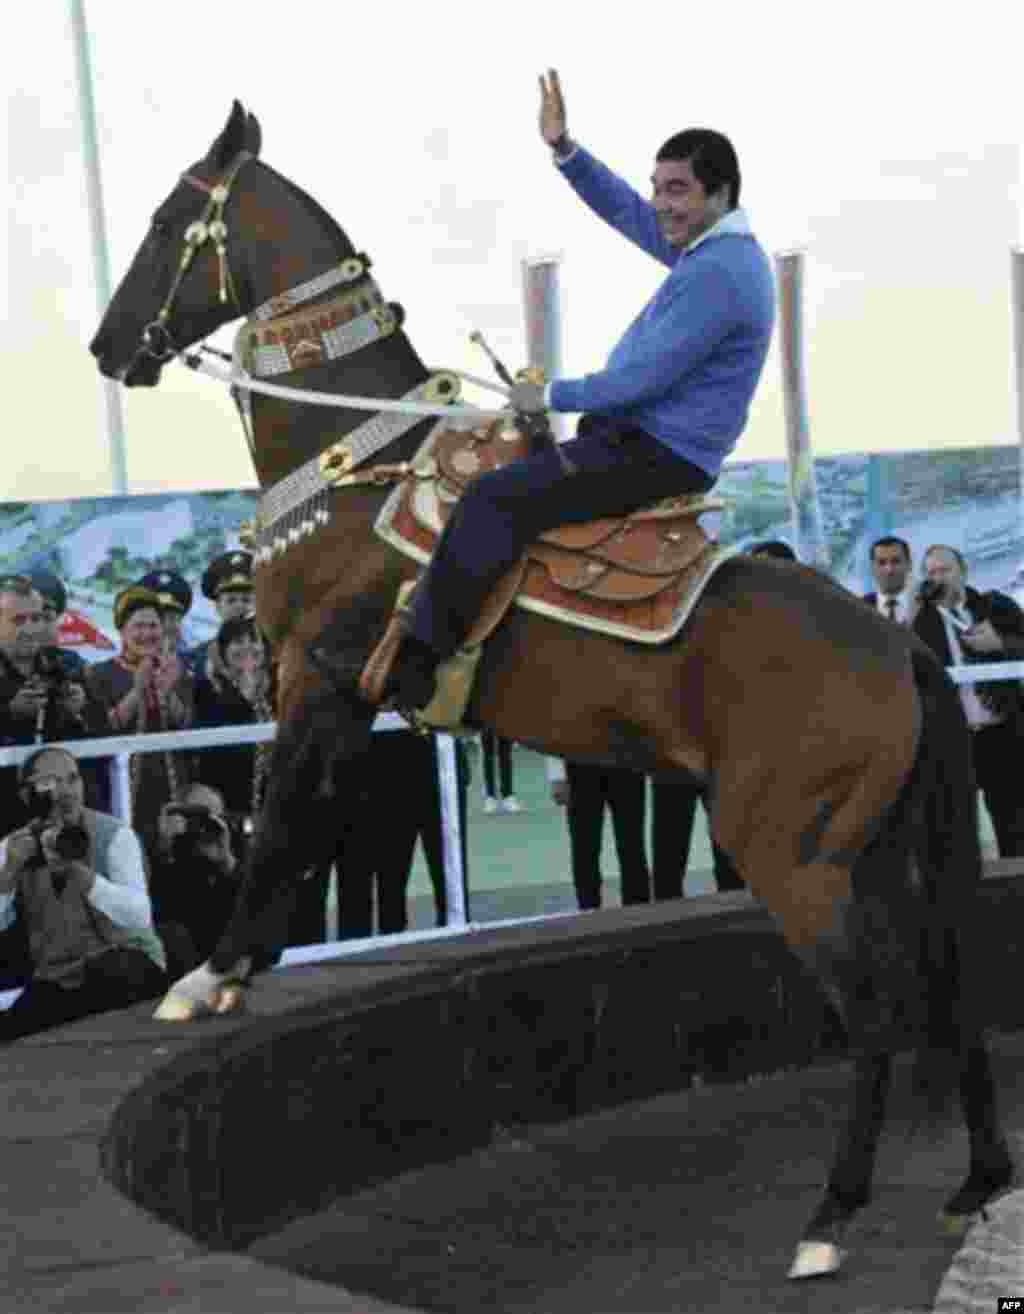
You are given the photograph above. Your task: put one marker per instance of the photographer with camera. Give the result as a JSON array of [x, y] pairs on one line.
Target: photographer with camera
[[42, 697], [961, 626], [194, 870], [76, 880]]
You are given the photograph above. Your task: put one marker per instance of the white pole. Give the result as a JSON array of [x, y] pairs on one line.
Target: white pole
[[451, 830], [811, 546], [542, 310], [97, 222], [1017, 294]]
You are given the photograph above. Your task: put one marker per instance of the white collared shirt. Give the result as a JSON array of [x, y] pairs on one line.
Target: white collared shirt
[[902, 612]]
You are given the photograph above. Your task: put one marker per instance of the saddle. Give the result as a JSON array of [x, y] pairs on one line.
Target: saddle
[[636, 577]]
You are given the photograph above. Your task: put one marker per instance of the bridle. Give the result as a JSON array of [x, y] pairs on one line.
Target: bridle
[[156, 340]]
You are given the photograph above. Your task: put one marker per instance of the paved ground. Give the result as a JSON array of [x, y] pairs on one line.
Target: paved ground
[[684, 1203]]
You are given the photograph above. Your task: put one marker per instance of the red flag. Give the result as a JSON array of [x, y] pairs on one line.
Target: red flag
[[78, 631]]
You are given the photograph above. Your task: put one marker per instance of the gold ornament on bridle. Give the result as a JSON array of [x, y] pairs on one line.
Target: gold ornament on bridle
[[209, 227]]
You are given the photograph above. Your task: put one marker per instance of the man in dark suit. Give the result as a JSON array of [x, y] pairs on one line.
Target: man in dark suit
[[961, 626], [891, 564]]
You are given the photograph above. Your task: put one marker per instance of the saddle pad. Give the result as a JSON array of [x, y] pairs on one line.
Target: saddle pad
[[636, 577]]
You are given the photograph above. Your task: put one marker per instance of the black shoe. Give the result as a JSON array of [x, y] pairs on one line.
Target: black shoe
[[413, 676]]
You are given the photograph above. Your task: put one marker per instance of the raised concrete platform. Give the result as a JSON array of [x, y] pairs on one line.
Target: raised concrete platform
[[347, 1077]]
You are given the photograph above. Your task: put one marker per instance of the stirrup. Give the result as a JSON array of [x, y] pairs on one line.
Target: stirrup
[[454, 684]]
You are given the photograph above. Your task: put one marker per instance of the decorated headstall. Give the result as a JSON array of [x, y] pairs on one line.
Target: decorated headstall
[[209, 227]]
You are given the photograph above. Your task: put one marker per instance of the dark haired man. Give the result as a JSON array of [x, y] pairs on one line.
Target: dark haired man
[[41, 697], [660, 417], [961, 626], [891, 564], [194, 872], [76, 880]]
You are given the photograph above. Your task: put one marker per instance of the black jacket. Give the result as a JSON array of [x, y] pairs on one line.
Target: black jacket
[[1003, 697]]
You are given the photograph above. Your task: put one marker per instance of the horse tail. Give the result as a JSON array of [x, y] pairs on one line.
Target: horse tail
[[948, 854]]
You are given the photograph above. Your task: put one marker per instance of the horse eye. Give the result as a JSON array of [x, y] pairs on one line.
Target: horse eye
[[160, 229]]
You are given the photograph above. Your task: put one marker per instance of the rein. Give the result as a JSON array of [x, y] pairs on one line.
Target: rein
[[290, 331]]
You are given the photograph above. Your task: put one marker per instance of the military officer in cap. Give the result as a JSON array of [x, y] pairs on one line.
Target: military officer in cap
[[175, 597], [227, 582]]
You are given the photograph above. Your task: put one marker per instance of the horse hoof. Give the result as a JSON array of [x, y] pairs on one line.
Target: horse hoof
[[203, 992], [176, 1008], [816, 1259]]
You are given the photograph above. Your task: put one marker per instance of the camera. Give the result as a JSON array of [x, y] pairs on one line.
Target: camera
[[71, 841], [49, 666], [200, 823], [930, 590]]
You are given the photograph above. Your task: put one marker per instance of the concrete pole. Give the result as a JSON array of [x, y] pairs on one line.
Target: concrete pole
[[542, 312], [1017, 294], [808, 532], [97, 223]]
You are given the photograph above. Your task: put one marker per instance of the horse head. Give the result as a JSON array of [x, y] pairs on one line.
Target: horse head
[[215, 249]]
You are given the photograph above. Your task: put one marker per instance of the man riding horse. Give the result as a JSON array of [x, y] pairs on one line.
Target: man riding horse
[[658, 420]]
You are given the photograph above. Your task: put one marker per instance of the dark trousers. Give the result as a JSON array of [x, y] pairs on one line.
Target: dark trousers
[[116, 979], [675, 810], [402, 805], [622, 792], [491, 746], [997, 757], [307, 921], [502, 511]]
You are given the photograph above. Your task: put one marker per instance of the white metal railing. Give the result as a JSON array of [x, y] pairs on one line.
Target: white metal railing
[[121, 747]]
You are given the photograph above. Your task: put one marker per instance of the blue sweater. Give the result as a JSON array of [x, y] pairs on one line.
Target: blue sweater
[[686, 368]]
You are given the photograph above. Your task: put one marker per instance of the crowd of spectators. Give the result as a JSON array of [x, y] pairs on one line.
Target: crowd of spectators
[[162, 881], [95, 910]]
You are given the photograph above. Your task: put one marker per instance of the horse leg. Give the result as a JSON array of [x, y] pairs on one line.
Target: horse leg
[[879, 991], [849, 1183], [317, 729], [991, 1167]]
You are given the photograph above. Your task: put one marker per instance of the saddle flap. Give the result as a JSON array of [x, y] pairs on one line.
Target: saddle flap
[[577, 573]]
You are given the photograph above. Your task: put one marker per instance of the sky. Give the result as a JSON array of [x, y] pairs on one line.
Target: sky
[[884, 140]]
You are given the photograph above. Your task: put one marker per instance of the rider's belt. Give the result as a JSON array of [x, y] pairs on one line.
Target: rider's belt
[[319, 333]]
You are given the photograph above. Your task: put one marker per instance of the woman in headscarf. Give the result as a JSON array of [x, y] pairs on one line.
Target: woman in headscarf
[[145, 690]]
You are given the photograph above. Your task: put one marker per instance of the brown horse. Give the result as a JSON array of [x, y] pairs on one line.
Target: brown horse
[[833, 748]]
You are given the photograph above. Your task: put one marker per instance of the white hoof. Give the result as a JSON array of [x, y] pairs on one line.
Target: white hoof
[[816, 1259], [203, 991]]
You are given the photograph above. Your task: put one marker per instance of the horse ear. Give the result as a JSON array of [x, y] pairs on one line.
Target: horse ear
[[231, 140], [253, 135]]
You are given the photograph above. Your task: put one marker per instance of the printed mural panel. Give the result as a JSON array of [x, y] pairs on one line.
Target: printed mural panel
[[968, 498]]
